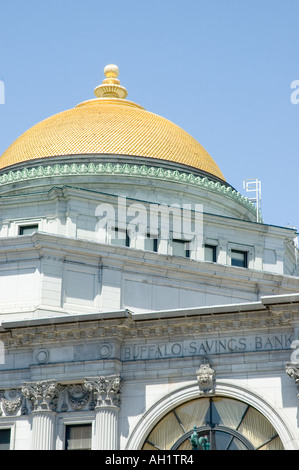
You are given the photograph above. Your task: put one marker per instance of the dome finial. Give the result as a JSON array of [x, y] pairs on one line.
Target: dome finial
[[111, 87], [111, 71]]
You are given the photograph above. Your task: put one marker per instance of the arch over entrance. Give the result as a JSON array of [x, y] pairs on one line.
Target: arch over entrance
[[229, 419]]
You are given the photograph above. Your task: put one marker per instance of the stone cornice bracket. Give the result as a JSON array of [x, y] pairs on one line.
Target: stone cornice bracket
[[106, 390], [206, 379], [43, 395], [292, 368]]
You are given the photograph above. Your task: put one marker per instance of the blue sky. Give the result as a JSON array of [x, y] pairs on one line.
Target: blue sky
[[220, 69]]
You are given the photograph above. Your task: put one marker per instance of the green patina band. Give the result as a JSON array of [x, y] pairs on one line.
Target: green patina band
[[125, 170]]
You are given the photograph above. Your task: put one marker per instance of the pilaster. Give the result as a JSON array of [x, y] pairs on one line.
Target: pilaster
[[42, 395], [107, 393]]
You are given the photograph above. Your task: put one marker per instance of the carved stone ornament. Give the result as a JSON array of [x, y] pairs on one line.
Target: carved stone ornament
[[292, 368], [206, 379], [11, 402], [78, 396], [49, 395], [106, 390], [43, 395], [293, 371]]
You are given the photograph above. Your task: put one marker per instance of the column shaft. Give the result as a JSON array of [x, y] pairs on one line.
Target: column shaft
[[107, 393], [106, 428], [43, 425]]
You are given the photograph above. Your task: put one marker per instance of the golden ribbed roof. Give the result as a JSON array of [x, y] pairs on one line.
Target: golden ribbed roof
[[112, 125]]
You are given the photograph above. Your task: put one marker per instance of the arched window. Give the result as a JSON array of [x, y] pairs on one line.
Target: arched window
[[227, 424]]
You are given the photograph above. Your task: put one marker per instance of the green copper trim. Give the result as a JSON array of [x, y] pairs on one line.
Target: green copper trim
[[28, 174]]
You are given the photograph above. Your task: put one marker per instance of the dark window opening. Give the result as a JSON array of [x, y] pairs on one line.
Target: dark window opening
[[239, 258], [78, 437], [151, 243], [210, 253], [28, 229], [4, 439], [180, 248], [120, 237]]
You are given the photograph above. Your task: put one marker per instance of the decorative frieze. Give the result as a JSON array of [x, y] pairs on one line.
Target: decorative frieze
[[127, 329], [126, 170], [50, 396]]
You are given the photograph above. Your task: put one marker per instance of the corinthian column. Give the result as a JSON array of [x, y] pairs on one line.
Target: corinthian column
[[107, 394], [42, 395]]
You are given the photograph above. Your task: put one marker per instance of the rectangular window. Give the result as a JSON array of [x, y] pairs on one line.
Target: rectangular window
[[180, 248], [4, 439], [210, 253], [239, 258], [151, 244], [120, 237], [28, 229], [78, 437]]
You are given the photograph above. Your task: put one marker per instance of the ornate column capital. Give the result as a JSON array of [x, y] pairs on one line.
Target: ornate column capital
[[106, 390], [42, 394]]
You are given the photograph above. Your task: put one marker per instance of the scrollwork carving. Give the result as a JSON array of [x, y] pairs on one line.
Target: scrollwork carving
[[106, 390], [78, 396], [206, 379], [11, 402], [43, 395], [49, 395]]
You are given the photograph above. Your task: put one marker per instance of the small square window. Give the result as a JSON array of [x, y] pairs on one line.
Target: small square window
[[180, 248], [78, 437], [239, 258], [151, 243], [120, 237], [28, 229], [210, 253], [4, 439]]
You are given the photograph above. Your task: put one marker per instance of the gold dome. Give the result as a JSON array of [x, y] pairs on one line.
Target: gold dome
[[109, 125]]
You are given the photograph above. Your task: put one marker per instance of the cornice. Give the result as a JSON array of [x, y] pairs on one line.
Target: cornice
[[125, 170], [70, 249], [124, 326]]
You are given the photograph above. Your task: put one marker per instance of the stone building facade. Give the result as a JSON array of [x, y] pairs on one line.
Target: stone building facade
[[141, 294]]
